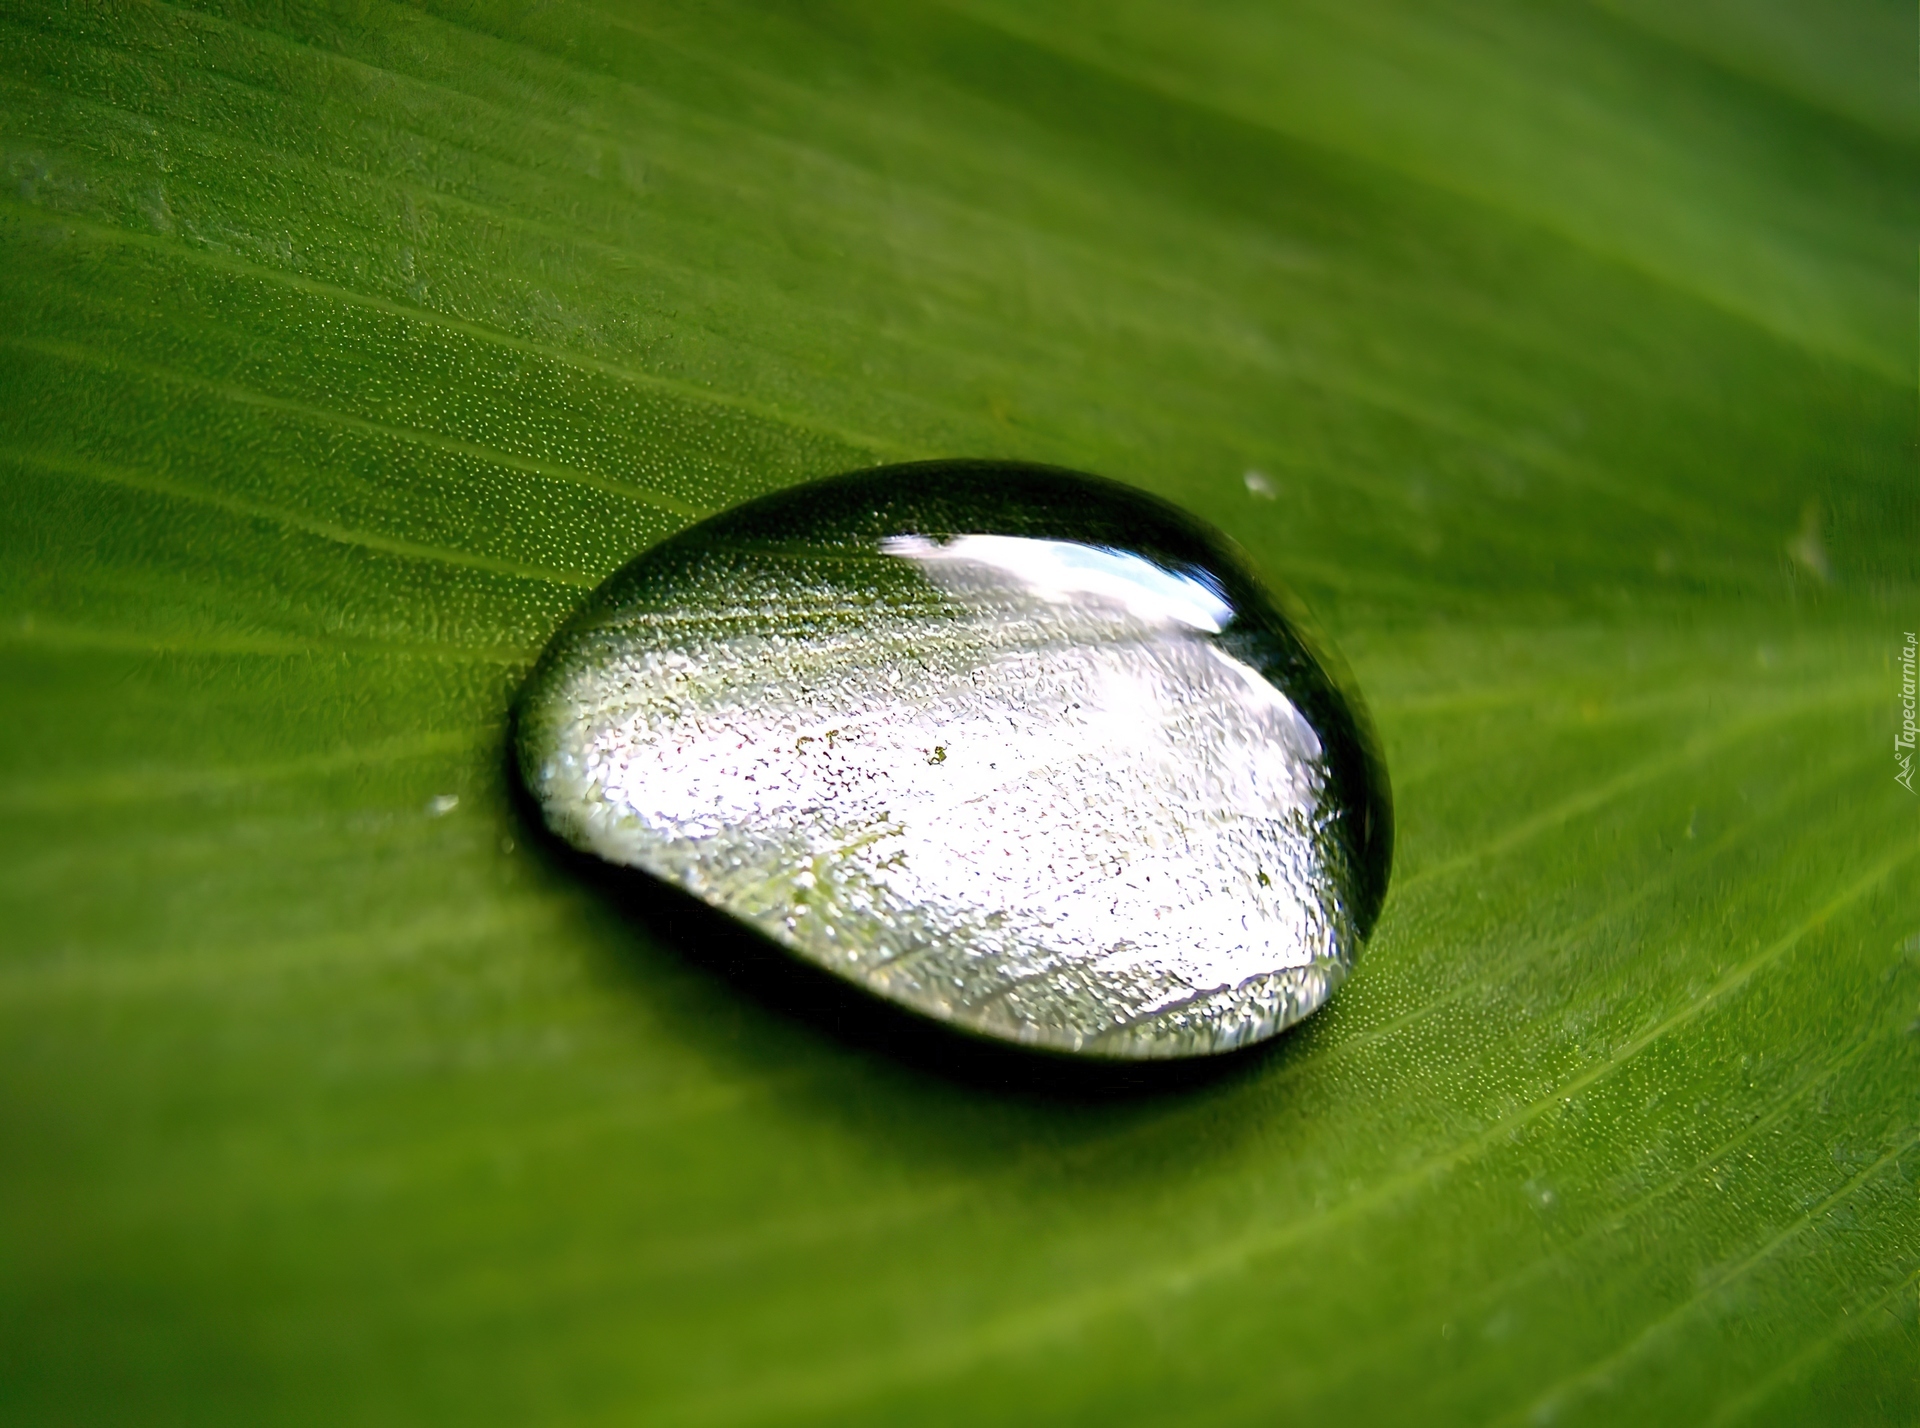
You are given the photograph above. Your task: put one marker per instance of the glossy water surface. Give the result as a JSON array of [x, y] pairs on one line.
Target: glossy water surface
[[1019, 749]]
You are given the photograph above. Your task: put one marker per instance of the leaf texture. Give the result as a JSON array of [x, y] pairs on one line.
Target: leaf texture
[[1558, 355]]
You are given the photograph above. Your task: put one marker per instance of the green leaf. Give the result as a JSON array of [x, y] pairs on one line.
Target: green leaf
[[346, 346]]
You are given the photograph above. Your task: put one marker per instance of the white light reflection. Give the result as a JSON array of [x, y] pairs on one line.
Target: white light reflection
[[1061, 571]]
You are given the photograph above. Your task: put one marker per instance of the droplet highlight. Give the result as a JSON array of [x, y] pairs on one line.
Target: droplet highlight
[[1025, 751]]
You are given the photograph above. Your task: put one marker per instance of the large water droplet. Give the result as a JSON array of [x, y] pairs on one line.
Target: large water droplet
[[1022, 750]]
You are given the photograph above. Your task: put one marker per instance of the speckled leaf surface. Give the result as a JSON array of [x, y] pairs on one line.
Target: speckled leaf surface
[[346, 346]]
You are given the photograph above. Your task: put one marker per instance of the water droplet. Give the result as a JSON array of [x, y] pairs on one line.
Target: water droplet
[[1025, 751]]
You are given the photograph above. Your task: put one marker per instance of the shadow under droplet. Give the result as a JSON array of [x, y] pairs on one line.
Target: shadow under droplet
[[754, 967]]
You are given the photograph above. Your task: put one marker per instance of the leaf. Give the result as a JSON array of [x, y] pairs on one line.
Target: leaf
[[1557, 355]]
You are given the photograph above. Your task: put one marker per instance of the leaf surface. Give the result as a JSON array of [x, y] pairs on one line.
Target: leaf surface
[[1558, 355]]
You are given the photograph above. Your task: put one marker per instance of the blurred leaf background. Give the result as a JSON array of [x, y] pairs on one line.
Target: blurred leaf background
[[1559, 354]]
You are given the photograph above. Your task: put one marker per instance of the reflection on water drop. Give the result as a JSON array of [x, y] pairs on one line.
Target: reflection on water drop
[[1022, 750]]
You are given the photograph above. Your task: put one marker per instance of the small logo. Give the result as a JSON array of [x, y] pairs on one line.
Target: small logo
[[1903, 741]]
